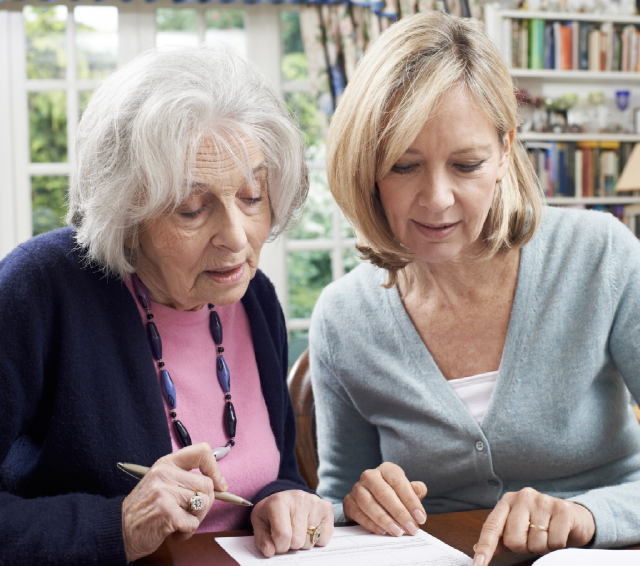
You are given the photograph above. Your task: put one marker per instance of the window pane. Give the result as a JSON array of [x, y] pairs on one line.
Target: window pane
[[303, 105], [294, 60], [176, 27], [48, 202], [309, 273], [226, 26], [96, 41], [48, 126], [351, 259], [83, 99], [317, 217], [45, 29]]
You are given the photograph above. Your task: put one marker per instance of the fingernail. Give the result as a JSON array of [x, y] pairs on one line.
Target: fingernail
[[419, 516], [381, 530], [410, 527], [395, 530], [474, 546], [224, 485], [478, 560]]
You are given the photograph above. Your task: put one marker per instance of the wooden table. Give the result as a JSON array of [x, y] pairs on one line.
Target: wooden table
[[459, 530]]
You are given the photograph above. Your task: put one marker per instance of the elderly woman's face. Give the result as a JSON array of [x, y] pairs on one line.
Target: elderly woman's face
[[207, 249], [438, 194]]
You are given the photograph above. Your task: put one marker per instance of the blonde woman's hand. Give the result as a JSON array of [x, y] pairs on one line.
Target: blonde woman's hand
[[280, 521], [385, 501], [159, 505], [510, 526]]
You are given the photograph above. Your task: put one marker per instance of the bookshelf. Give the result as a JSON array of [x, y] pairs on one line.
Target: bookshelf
[[563, 74]]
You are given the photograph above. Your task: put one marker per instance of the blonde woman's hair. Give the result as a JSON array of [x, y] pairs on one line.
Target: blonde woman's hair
[[396, 89]]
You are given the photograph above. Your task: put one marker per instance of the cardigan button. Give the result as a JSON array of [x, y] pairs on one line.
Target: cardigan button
[[479, 446]]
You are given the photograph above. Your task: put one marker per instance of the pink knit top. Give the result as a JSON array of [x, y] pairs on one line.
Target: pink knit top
[[189, 353]]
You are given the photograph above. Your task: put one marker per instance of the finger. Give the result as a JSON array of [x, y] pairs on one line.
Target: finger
[[492, 533], [326, 522], [352, 511], [302, 517], [199, 456], [392, 492], [419, 488], [262, 539], [369, 505], [397, 480], [279, 522], [537, 541]]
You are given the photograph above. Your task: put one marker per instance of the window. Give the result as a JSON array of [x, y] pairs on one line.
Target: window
[[53, 56]]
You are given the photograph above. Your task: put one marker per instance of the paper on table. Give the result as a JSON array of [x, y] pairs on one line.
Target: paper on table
[[589, 557], [354, 546]]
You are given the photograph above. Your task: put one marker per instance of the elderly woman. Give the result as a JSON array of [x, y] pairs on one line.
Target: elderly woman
[[121, 332], [486, 348]]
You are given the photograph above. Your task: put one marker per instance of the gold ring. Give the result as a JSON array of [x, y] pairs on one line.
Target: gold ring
[[545, 529], [314, 534]]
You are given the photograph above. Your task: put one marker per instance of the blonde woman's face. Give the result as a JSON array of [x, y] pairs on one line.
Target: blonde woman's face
[[207, 249], [438, 194]]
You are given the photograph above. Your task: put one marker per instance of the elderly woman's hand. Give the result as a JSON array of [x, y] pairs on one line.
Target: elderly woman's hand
[[159, 504], [385, 501], [510, 526], [280, 521]]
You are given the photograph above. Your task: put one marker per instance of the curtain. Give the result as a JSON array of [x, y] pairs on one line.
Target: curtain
[[336, 35]]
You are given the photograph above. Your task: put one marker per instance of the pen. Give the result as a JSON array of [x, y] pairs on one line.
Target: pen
[[139, 471]]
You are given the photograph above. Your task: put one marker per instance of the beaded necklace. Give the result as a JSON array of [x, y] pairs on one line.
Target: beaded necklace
[[168, 387]]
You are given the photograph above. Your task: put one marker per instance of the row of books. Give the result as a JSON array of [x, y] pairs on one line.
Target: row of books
[[584, 46], [579, 169]]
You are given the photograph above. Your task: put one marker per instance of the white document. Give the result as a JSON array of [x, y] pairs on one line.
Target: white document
[[590, 557], [354, 546]]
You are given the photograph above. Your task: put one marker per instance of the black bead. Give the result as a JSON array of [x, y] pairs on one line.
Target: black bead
[[211, 306], [216, 327], [220, 349], [173, 414], [228, 396], [149, 316], [232, 443], [154, 340], [161, 364], [230, 419], [185, 439]]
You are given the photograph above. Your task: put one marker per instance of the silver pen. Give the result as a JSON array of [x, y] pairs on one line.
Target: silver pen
[[138, 472]]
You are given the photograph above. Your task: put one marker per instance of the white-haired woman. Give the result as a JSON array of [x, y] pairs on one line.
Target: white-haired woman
[[487, 355], [144, 332]]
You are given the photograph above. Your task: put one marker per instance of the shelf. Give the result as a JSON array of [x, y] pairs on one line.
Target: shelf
[[593, 200], [595, 76], [542, 136], [568, 16]]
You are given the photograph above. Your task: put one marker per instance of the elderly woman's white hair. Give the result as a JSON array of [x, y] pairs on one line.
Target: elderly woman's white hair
[[139, 134]]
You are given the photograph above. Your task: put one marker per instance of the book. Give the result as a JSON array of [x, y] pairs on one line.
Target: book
[[575, 45], [578, 174], [523, 45], [557, 46], [583, 46], [536, 44], [565, 48], [507, 42], [594, 50], [549, 61]]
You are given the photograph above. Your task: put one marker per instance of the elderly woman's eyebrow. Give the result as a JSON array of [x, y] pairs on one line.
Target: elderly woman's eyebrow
[[472, 149]]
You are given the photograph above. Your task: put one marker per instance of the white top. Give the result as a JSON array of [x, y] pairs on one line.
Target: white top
[[475, 392]]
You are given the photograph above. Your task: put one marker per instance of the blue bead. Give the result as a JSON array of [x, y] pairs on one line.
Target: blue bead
[[141, 292], [223, 374], [216, 327], [183, 435], [230, 419], [168, 388], [154, 340]]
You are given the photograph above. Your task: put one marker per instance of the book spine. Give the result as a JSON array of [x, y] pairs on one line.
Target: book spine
[[523, 45], [536, 44], [578, 173], [594, 50], [549, 62], [583, 47], [557, 43], [515, 42], [571, 169], [565, 48], [506, 40], [575, 45]]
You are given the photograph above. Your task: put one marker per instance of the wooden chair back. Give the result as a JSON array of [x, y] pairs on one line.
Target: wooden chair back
[[299, 383]]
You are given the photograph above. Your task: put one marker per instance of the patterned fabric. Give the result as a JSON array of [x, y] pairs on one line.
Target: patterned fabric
[[336, 35]]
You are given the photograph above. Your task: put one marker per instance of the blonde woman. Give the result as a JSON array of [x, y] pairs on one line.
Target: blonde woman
[[485, 348]]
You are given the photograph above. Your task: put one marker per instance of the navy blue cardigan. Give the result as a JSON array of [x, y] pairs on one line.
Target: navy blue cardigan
[[80, 393]]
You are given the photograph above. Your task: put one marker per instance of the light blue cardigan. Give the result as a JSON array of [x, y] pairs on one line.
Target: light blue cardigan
[[559, 418]]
